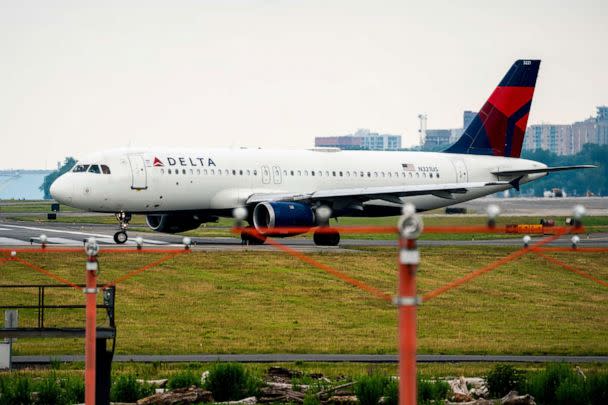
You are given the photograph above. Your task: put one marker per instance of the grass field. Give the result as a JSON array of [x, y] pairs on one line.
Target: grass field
[[267, 302]]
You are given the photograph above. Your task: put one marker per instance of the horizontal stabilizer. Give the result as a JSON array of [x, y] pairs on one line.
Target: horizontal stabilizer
[[541, 170]]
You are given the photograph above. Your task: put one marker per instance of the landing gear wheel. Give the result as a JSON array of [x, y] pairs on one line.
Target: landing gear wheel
[[252, 237], [326, 238], [120, 237]]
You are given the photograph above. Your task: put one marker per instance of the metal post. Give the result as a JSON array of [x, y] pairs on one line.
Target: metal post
[[90, 291], [410, 226]]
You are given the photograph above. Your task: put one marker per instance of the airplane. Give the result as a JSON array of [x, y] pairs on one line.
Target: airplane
[[180, 189]]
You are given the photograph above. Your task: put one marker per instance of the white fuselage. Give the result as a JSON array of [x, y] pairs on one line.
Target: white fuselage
[[159, 181]]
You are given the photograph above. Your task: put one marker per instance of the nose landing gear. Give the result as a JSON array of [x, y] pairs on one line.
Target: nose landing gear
[[121, 236]]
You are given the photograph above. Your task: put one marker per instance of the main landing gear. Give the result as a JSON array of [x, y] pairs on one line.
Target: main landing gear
[[250, 236], [326, 237], [121, 236]]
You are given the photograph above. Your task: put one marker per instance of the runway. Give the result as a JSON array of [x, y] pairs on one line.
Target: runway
[[315, 358], [22, 233], [25, 233]]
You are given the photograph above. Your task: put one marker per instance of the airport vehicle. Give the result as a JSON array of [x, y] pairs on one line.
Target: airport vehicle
[[179, 189]]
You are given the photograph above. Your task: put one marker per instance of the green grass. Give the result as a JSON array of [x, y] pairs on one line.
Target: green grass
[[33, 206], [267, 302]]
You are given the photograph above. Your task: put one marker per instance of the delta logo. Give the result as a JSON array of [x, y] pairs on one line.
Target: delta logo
[[183, 161]]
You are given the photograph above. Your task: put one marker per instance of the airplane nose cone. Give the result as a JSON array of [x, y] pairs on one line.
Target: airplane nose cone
[[60, 191]]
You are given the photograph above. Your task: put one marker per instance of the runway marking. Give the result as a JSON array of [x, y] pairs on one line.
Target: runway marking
[[97, 235], [12, 242], [4, 229]]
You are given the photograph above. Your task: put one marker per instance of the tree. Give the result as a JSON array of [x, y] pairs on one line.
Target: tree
[[577, 182], [51, 177]]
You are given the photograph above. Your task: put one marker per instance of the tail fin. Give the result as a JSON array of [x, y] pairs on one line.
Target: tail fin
[[499, 127]]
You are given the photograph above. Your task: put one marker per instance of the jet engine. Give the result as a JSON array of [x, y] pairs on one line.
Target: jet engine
[[269, 217], [173, 223]]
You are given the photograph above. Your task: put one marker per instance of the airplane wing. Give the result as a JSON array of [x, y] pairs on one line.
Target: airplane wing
[[371, 193], [541, 170]]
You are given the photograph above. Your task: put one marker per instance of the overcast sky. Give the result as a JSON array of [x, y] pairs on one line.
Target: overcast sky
[[78, 76]]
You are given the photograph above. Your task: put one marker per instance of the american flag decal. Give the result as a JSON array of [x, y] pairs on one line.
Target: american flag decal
[[408, 166]]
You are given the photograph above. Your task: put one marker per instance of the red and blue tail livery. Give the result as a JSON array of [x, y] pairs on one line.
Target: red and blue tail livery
[[499, 127]]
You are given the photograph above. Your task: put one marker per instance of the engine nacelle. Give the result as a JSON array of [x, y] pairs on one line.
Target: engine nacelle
[[173, 223], [269, 217]]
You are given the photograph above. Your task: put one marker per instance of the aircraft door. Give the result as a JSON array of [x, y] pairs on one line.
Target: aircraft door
[[276, 174], [138, 172], [462, 174], [265, 175]]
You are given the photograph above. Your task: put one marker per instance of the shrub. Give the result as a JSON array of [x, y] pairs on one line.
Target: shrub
[[49, 392], [369, 389], [127, 389], [572, 391], [230, 381], [432, 390], [504, 378], [183, 380], [311, 399], [597, 388], [21, 392], [391, 392], [543, 385], [73, 390]]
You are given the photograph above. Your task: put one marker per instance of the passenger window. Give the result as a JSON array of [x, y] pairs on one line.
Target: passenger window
[[198, 171], [437, 175], [255, 172], [192, 171], [431, 175], [284, 172], [162, 171], [80, 168], [292, 172], [169, 171], [240, 172], [320, 173], [375, 174], [382, 174], [361, 174], [94, 169], [248, 172], [105, 169], [390, 174], [305, 172], [299, 172], [333, 174], [312, 172], [411, 175], [234, 172], [212, 171], [176, 171], [183, 171], [327, 173], [340, 174], [226, 172], [369, 174]]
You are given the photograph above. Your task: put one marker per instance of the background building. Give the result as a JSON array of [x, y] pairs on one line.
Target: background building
[[568, 139], [362, 139], [562, 139]]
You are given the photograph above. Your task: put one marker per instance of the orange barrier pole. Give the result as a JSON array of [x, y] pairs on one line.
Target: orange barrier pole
[[410, 226], [91, 321], [407, 301]]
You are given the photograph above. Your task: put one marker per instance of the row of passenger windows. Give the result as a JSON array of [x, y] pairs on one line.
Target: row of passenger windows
[[91, 169], [318, 173]]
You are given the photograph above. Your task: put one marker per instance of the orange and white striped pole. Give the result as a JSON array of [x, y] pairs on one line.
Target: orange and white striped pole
[[410, 226], [92, 268]]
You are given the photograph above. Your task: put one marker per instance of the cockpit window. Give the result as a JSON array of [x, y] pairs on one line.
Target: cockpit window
[[94, 169], [80, 168], [105, 169]]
